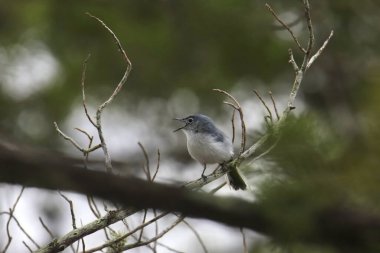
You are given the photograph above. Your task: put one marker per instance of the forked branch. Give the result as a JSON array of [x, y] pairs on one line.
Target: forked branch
[[100, 109]]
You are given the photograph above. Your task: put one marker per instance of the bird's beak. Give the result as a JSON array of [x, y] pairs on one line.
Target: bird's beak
[[183, 120]]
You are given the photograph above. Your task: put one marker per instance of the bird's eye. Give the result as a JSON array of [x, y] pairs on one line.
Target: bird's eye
[[190, 120]]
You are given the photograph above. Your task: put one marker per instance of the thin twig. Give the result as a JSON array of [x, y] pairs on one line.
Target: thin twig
[[274, 104], [231, 104], [66, 137], [233, 125], [111, 242], [83, 91], [93, 207], [46, 228], [146, 167], [292, 61], [90, 139], [319, 52], [27, 246], [83, 245], [11, 212], [77, 248], [100, 109], [286, 27], [155, 231], [26, 233], [265, 105], [142, 229], [158, 165], [135, 245], [237, 106], [310, 44], [73, 223]]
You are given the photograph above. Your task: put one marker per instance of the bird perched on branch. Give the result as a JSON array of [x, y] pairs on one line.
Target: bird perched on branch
[[207, 144]]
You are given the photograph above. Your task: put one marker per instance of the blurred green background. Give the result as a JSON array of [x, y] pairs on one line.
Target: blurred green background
[[180, 50], [195, 45]]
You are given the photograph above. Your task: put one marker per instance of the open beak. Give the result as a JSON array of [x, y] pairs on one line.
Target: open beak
[[183, 120]]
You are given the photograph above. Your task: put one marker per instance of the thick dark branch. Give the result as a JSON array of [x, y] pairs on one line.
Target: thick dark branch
[[48, 171]]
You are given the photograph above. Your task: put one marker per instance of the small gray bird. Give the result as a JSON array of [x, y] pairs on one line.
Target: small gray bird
[[207, 144]]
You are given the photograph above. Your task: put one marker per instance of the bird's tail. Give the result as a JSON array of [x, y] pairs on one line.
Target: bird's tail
[[235, 179]]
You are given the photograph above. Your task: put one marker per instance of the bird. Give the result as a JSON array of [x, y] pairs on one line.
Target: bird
[[208, 144]]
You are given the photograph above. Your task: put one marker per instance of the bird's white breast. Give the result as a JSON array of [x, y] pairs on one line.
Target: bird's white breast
[[205, 149]]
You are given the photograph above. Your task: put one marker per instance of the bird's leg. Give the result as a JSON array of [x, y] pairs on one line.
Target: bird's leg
[[203, 172]]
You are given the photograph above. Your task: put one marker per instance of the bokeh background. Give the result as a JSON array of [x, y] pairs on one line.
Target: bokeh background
[[180, 51]]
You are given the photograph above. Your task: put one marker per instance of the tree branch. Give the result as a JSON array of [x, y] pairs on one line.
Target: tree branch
[[100, 109], [32, 169]]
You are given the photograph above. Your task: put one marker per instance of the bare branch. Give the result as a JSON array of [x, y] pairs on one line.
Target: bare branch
[[158, 165], [237, 107], [274, 104], [46, 228], [142, 229], [286, 27], [27, 246], [292, 61], [11, 211], [265, 105], [83, 91], [233, 125], [73, 223], [90, 137], [146, 167], [309, 27], [125, 56], [319, 52], [93, 207], [155, 231], [66, 137], [100, 109], [135, 245], [25, 233], [138, 228], [83, 245], [231, 104]]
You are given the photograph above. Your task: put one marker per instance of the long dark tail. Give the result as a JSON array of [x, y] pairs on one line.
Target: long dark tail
[[235, 179]]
